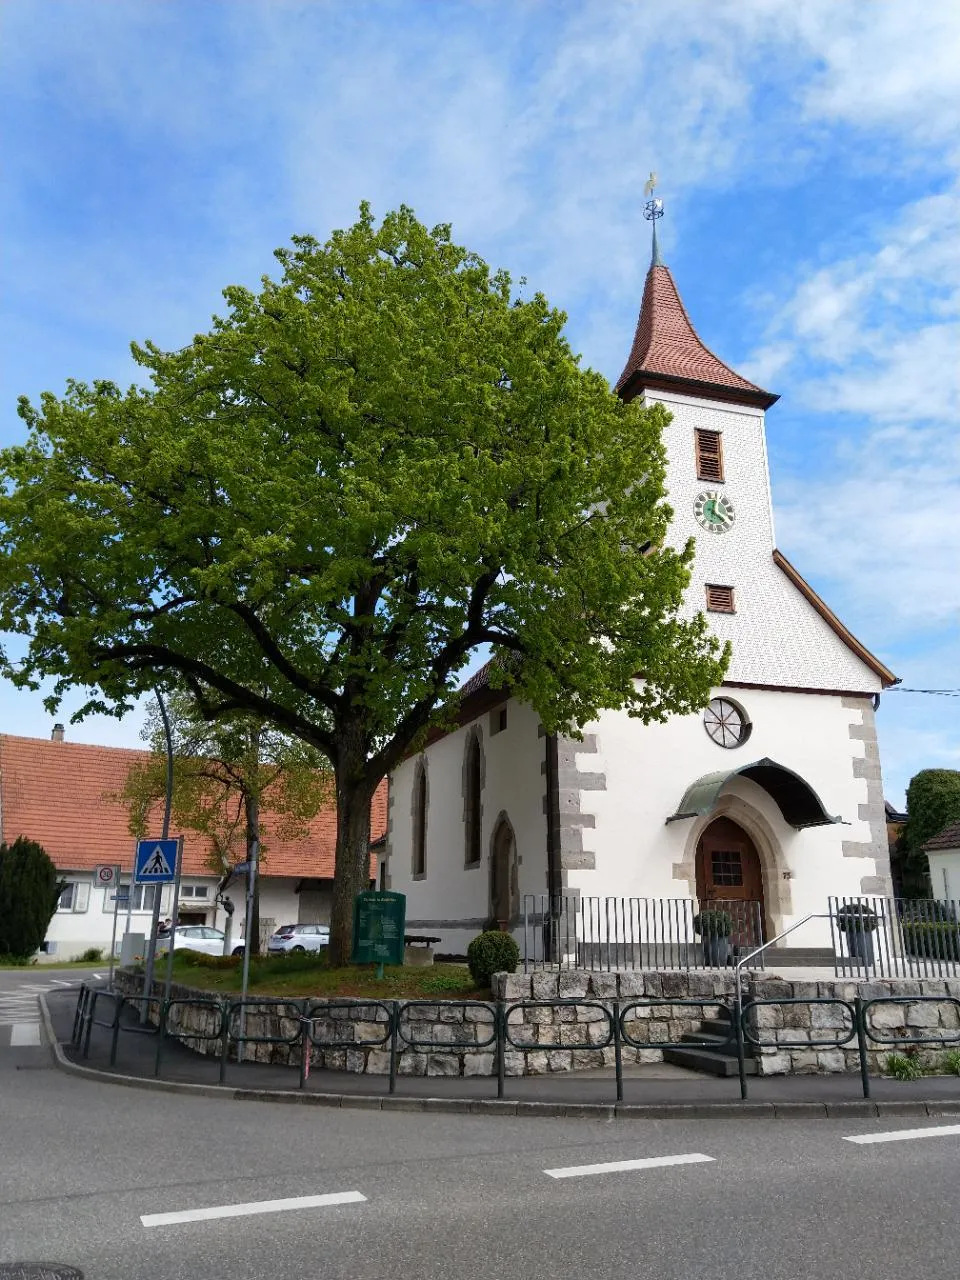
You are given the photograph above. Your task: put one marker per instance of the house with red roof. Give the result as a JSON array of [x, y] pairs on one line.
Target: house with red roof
[[68, 797], [767, 801], [943, 859]]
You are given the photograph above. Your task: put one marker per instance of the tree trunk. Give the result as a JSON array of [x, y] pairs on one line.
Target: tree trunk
[[352, 874], [251, 806]]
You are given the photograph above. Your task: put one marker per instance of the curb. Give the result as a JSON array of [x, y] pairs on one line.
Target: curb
[[733, 1110]]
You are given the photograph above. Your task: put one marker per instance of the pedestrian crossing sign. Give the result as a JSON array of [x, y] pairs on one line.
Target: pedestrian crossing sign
[[156, 861]]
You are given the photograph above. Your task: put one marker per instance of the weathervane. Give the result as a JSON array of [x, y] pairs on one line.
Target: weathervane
[[652, 210], [654, 207]]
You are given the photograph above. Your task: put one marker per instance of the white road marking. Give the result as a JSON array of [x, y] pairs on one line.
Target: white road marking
[[24, 1033], [905, 1135], [246, 1210], [622, 1166]]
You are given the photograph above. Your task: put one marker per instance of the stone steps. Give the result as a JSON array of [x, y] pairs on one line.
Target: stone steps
[[707, 1060]]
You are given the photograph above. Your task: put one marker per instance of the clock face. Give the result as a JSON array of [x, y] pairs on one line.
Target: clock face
[[726, 723], [714, 511]]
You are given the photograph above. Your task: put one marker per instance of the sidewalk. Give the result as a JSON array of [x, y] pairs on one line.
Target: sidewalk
[[658, 1090]]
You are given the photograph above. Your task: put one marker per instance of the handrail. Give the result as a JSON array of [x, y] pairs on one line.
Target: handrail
[[738, 971], [816, 915]]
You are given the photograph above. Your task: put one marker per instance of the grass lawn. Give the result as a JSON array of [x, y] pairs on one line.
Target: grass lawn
[[308, 975], [41, 966]]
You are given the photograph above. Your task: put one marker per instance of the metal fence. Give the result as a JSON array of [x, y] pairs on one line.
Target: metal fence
[[895, 937], [573, 931], [860, 1032]]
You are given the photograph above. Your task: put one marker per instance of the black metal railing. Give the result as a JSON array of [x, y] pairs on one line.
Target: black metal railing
[[503, 1027], [895, 937], [574, 931]]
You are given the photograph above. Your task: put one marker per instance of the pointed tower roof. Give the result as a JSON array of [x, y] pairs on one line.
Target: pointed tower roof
[[668, 355]]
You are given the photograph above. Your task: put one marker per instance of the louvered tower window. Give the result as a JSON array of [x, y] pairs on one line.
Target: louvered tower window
[[709, 450], [720, 599]]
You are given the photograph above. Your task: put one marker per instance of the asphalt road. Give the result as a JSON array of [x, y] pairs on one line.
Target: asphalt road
[[457, 1197]]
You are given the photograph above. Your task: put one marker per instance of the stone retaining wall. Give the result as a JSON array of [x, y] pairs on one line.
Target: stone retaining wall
[[444, 1038]]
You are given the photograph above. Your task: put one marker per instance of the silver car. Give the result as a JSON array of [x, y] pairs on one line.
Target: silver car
[[299, 937], [200, 937]]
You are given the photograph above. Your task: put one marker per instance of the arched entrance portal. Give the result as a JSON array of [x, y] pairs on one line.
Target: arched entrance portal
[[729, 877], [504, 887]]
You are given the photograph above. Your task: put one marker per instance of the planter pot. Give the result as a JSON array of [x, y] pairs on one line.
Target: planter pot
[[860, 944], [716, 952]]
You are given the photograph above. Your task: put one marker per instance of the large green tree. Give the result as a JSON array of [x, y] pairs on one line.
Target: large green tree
[[318, 510], [933, 802], [226, 775]]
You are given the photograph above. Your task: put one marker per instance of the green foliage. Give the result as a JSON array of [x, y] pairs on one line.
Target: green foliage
[[933, 802], [931, 939], [713, 923], [442, 984], [92, 955], [489, 953], [950, 1062], [318, 511], [904, 1066], [200, 960], [288, 962], [29, 889], [16, 962]]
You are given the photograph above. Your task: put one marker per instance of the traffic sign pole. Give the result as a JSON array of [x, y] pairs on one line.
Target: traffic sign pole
[[167, 806], [113, 936], [168, 981]]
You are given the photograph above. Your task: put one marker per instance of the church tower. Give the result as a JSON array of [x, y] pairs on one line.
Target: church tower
[[718, 482]]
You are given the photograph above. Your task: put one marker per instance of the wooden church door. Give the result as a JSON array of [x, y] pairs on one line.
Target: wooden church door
[[729, 877]]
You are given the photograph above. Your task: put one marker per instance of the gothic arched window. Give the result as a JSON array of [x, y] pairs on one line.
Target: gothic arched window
[[420, 821], [473, 800]]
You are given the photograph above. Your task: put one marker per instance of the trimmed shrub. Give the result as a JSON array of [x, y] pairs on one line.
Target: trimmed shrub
[[92, 955], [489, 953], [29, 890], [856, 917], [931, 939], [713, 923]]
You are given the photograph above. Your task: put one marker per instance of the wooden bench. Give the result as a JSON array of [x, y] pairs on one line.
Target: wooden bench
[[418, 949]]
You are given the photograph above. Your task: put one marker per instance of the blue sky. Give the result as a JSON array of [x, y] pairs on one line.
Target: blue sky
[[808, 155]]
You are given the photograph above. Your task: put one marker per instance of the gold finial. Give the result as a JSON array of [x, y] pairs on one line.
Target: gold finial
[[649, 185]]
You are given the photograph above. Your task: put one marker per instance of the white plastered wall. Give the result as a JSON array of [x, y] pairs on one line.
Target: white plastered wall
[[73, 932], [648, 768], [778, 638], [452, 901], [945, 874]]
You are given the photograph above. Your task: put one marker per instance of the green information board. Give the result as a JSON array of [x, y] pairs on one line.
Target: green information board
[[378, 921]]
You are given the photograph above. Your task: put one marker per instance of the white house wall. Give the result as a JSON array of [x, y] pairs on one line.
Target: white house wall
[[452, 901], [945, 874], [70, 933]]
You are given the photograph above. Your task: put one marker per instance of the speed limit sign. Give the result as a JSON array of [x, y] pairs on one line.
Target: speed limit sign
[[105, 876]]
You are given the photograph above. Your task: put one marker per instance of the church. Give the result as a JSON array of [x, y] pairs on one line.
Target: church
[[765, 803]]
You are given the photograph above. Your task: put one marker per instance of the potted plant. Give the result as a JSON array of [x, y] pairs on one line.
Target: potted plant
[[714, 927], [858, 922]]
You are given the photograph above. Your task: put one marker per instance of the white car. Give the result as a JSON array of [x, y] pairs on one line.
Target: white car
[[299, 937], [200, 937]]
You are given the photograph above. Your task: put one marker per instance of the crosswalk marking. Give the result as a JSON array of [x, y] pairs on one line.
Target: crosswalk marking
[[906, 1135], [624, 1166], [24, 1033], [253, 1207]]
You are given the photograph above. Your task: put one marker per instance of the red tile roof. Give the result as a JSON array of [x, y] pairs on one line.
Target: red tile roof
[[948, 838], [668, 353], [65, 795]]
